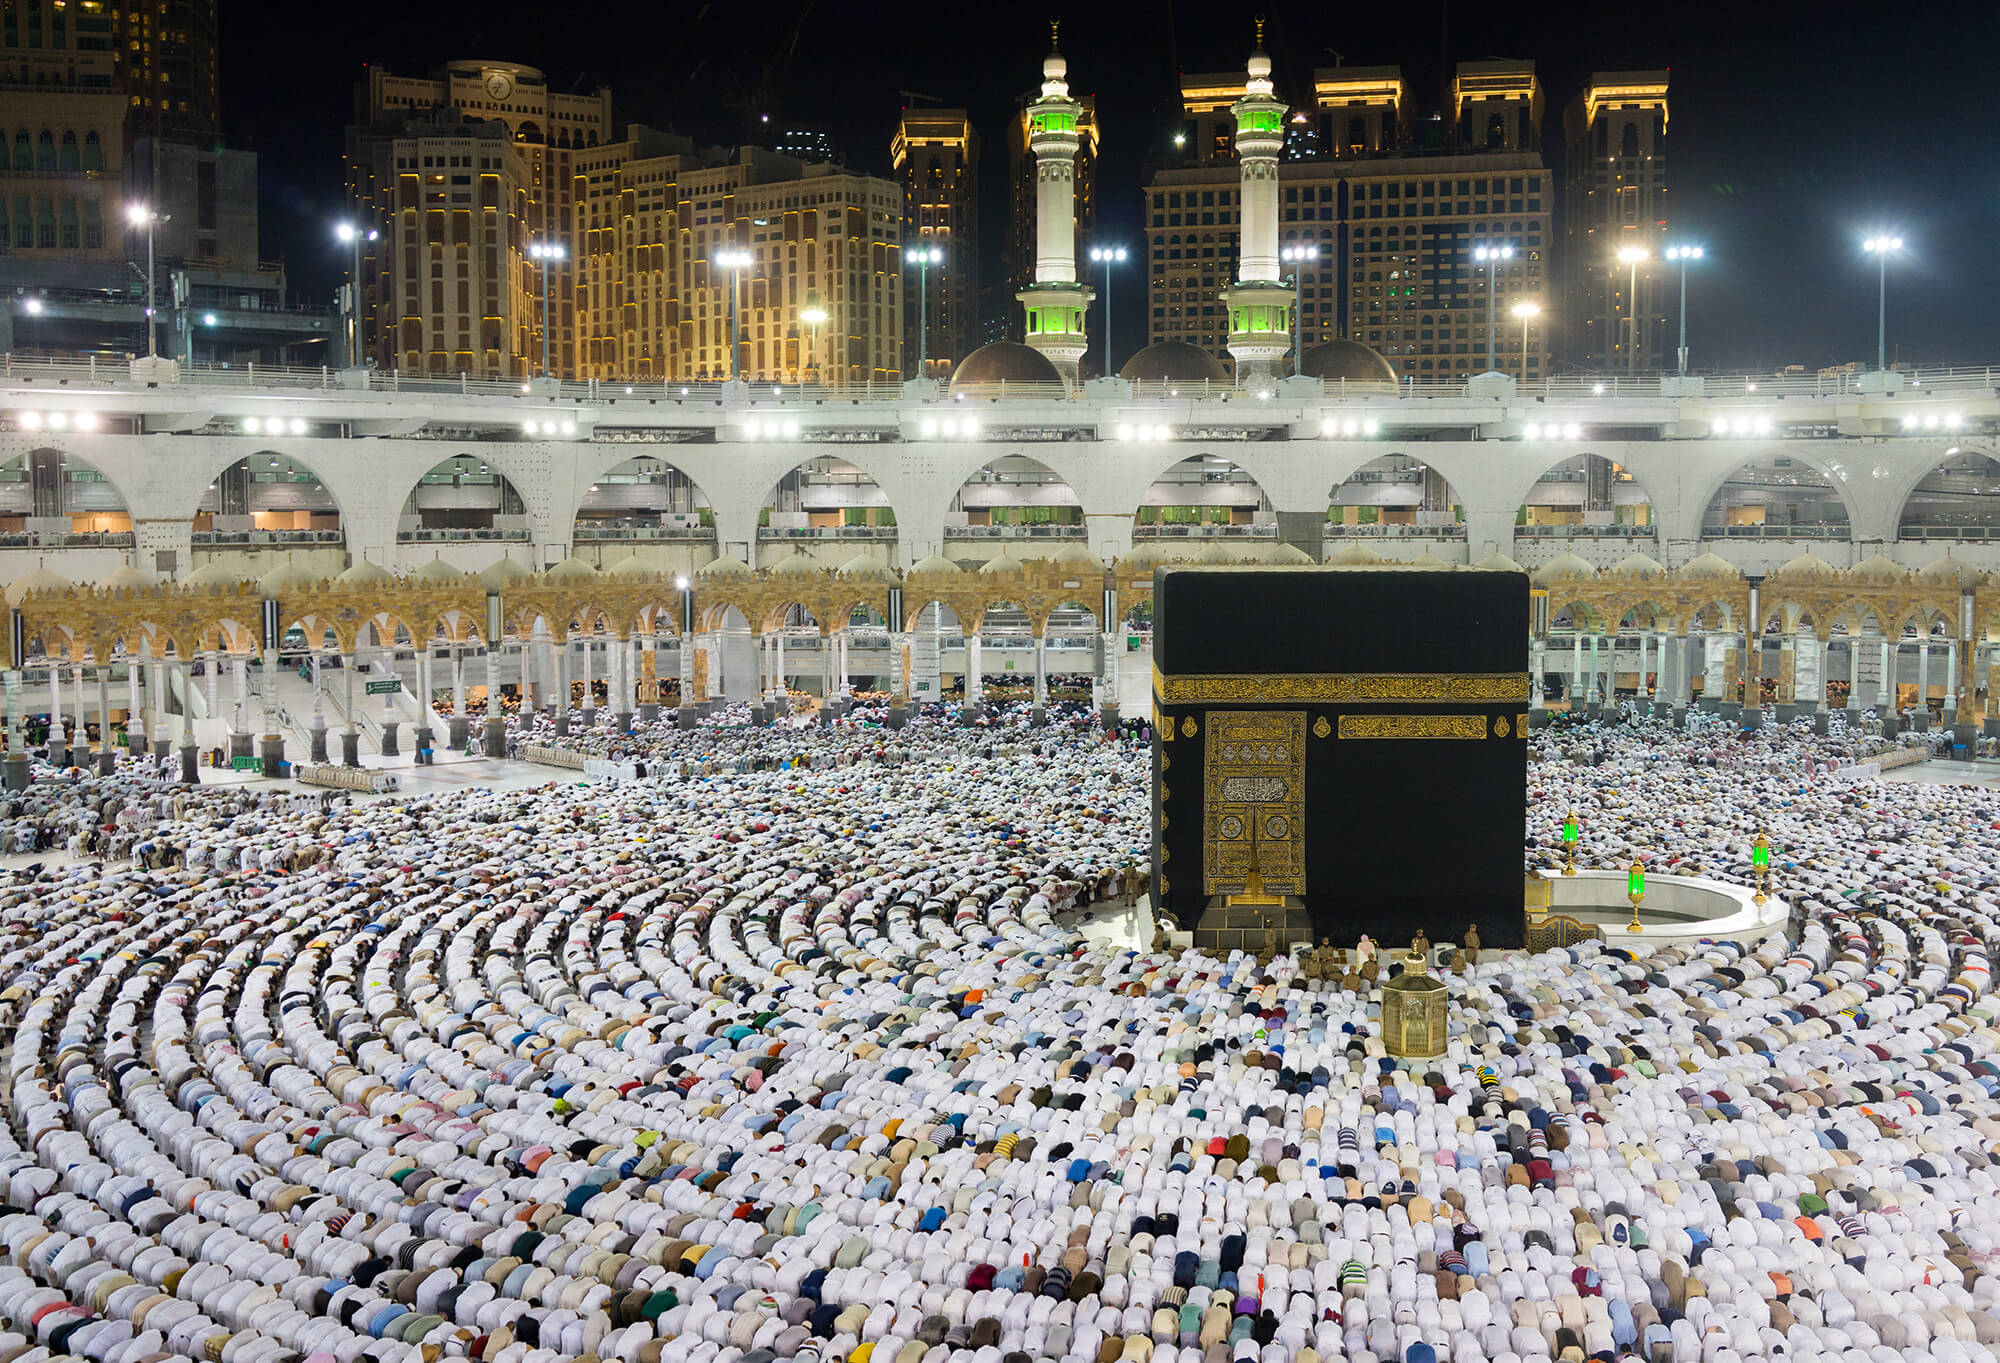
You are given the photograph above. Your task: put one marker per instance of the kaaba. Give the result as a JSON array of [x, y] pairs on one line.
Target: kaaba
[[1355, 737]]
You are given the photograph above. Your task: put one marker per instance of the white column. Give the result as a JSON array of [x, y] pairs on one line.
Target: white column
[[784, 687], [562, 678], [457, 683], [211, 667], [1597, 687], [135, 724], [187, 696], [1042, 670], [1924, 677], [1642, 691], [239, 707], [1575, 667], [55, 697], [1536, 663], [317, 680], [590, 672], [972, 687], [1885, 685], [1951, 681], [492, 679]]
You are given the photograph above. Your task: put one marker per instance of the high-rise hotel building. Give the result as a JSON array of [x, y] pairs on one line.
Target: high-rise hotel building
[[1397, 216], [1615, 148], [496, 201]]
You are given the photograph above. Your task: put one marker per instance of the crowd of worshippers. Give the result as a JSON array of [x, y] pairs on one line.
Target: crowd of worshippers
[[754, 1060]]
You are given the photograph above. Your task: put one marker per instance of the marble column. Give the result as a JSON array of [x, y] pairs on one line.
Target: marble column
[[317, 734], [972, 687], [1039, 714], [58, 736], [14, 771], [190, 754], [1576, 696], [1923, 710], [350, 737], [562, 688], [590, 681]]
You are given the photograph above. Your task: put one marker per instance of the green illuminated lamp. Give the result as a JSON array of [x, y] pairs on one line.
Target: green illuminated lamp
[[1571, 832], [1760, 863], [1635, 890]]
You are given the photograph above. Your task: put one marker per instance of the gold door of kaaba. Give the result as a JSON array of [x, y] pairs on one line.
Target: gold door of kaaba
[[1254, 800]]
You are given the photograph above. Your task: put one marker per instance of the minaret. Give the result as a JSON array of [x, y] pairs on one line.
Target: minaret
[[1056, 303], [1260, 305]]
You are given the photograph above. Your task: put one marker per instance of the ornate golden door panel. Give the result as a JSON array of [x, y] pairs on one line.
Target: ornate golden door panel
[[1255, 796]]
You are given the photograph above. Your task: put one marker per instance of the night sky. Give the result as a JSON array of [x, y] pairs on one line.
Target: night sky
[[1796, 129]]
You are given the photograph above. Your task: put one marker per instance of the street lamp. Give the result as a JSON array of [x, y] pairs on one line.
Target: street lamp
[[812, 317], [1107, 256], [1882, 247], [139, 215], [1527, 312], [547, 252], [1684, 254], [1491, 256], [923, 257], [348, 232], [1299, 256], [1632, 255], [736, 262]]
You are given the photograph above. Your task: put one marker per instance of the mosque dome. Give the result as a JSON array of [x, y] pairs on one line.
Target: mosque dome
[[361, 573], [570, 570], [800, 564], [1876, 570], [1806, 568], [725, 565], [1348, 360], [1146, 554], [936, 563], [1217, 552], [38, 580], [1001, 566], [286, 577], [500, 575], [1004, 362], [1497, 562], [1077, 556], [862, 568], [1426, 559], [1950, 572], [1290, 554], [631, 566], [215, 575], [1174, 362], [1640, 565], [1563, 568], [128, 578], [1354, 555], [1708, 567], [436, 571]]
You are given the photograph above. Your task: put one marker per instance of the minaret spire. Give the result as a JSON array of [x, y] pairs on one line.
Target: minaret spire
[[1259, 302], [1056, 303]]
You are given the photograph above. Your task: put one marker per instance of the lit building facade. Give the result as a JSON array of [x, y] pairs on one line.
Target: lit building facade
[[468, 197], [1615, 147], [1397, 231], [935, 153], [166, 52], [62, 122]]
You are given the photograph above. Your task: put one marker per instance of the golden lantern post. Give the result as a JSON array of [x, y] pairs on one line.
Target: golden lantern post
[[1570, 832], [1635, 890], [1760, 866]]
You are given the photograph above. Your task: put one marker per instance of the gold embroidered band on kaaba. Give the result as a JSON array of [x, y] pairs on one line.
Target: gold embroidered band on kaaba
[[1395, 688]]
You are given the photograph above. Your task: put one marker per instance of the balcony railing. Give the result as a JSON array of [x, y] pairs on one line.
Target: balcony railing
[[203, 538], [1204, 532], [44, 539], [461, 536], [1776, 532], [1588, 532], [826, 532], [1948, 532], [642, 530], [1015, 532], [1338, 530]]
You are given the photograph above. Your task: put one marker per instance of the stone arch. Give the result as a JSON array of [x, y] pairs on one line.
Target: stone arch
[[264, 487], [1199, 492], [1957, 492], [821, 492], [50, 483], [1017, 490], [635, 499], [1584, 490], [475, 500], [1394, 490], [1804, 497]]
